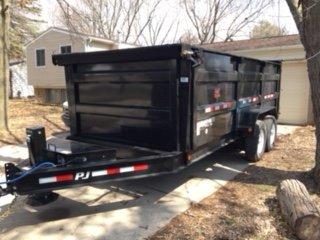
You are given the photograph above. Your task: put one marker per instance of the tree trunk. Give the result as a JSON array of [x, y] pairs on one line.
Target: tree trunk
[[309, 34], [4, 63], [299, 210], [10, 84]]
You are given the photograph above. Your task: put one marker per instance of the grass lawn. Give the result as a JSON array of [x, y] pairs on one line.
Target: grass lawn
[[246, 208], [28, 112]]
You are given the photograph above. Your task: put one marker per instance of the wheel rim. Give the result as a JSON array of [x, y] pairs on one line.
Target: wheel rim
[[261, 142], [272, 137]]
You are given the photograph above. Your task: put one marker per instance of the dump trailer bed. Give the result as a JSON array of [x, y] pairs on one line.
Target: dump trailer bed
[[145, 111]]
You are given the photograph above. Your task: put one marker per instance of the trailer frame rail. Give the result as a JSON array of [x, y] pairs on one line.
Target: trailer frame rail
[[54, 178]]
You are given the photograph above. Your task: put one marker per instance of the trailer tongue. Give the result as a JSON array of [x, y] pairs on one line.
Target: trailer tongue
[[147, 111], [68, 162]]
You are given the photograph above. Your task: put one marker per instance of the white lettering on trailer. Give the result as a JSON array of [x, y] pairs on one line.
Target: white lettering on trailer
[[82, 176], [204, 124]]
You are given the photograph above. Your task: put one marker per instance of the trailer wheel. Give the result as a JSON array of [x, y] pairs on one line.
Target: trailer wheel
[[256, 142], [271, 125]]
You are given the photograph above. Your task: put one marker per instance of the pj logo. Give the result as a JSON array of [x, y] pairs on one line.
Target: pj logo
[[82, 175]]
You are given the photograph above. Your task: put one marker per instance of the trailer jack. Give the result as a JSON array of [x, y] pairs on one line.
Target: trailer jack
[[36, 199], [40, 199]]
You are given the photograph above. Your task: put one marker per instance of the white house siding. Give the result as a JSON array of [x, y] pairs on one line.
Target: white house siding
[[50, 76], [49, 81], [295, 93], [295, 102]]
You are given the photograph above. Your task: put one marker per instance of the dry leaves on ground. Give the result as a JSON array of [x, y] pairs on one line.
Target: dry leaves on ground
[[28, 112], [246, 208]]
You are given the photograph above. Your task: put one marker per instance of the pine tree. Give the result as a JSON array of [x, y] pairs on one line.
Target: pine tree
[[24, 21]]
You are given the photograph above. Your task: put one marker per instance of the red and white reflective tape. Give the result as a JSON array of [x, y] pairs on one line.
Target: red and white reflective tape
[[249, 99], [269, 96], [112, 171], [255, 99], [98, 173], [218, 107], [58, 178]]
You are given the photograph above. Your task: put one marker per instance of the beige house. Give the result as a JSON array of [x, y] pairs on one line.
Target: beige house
[[295, 101], [47, 79]]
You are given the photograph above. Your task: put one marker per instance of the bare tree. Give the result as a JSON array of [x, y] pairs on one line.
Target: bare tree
[[121, 20], [158, 32], [228, 17], [189, 38], [4, 63], [307, 18]]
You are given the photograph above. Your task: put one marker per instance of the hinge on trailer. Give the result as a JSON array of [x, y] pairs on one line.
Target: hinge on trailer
[[186, 53], [193, 56]]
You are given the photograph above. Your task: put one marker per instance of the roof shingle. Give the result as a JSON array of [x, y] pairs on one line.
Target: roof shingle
[[256, 43]]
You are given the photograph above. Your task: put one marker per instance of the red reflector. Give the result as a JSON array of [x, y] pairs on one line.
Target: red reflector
[[113, 171], [65, 177], [140, 167]]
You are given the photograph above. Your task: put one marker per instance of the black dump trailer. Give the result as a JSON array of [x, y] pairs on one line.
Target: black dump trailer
[[146, 111]]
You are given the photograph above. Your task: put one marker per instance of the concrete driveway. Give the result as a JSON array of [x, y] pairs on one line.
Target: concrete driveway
[[126, 210]]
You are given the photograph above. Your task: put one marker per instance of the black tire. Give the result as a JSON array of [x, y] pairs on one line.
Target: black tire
[[253, 150], [270, 122]]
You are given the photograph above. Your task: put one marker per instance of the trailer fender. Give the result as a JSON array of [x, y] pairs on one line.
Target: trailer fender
[[247, 117]]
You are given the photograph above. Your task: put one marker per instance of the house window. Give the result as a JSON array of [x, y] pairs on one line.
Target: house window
[[65, 49], [40, 57]]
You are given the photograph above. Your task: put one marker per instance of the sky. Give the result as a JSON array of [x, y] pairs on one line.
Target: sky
[[278, 13]]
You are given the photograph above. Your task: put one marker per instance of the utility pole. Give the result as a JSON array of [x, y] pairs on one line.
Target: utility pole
[[4, 63]]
